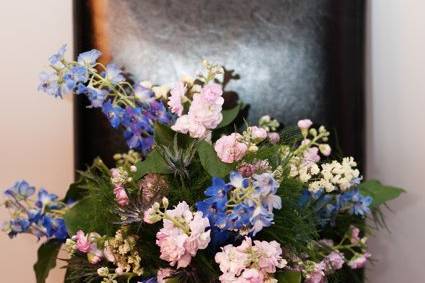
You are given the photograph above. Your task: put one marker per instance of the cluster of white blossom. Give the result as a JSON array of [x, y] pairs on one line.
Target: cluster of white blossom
[[336, 175]]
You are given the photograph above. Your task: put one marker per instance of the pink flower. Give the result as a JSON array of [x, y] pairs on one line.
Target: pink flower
[[252, 275], [248, 262], [229, 148], [94, 255], [325, 149], [163, 274], [318, 275], [171, 244], [176, 97], [274, 138], [206, 113], [335, 260], [270, 256], [212, 92], [247, 170], [359, 261], [178, 245], [121, 196], [83, 243], [185, 125], [232, 260], [107, 253], [304, 124], [355, 235], [311, 155], [258, 134]]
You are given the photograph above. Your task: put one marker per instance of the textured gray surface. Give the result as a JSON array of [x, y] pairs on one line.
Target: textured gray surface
[[277, 47]]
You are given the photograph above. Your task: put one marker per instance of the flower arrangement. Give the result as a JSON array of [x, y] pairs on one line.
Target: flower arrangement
[[200, 196]]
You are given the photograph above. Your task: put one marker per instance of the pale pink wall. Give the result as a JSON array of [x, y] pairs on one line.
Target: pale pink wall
[[396, 134], [36, 141]]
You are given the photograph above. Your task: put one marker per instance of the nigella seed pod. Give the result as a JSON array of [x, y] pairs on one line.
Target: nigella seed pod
[[153, 187]]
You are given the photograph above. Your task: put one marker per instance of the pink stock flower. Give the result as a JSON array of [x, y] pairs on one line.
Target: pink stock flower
[[274, 138], [178, 245], [121, 196], [318, 275], [248, 262], [311, 155], [176, 97], [270, 256], [83, 243], [252, 275], [206, 113], [186, 125], [304, 124], [258, 134], [359, 261], [335, 260], [171, 243], [229, 148], [212, 92]]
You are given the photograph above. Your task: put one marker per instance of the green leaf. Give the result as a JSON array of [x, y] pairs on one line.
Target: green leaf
[[210, 161], [380, 193], [288, 277], [46, 259], [75, 192], [89, 215], [163, 135], [229, 115], [154, 163]]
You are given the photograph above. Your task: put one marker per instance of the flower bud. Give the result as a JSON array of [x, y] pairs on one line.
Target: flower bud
[[165, 202], [325, 149], [133, 168]]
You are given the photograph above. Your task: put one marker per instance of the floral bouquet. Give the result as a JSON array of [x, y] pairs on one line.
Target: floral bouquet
[[201, 196]]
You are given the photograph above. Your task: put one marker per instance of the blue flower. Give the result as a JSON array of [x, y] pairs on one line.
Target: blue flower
[[261, 217], [158, 112], [113, 74], [89, 58], [56, 59], [75, 76], [45, 199], [239, 218], [18, 225], [237, 181], [143, 94], [49, 84], [54, 227], [114, 113], [96, 96], [356, 203], [265, 183], [20, 190]]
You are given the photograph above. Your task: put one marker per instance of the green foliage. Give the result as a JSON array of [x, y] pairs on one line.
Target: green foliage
[[46, 259], [380, 193], [288, 277], [154, 163], [210, 161], [290, 136], [229, 115], [266, 152], [294, 226], [163, 135], [93, 213]]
